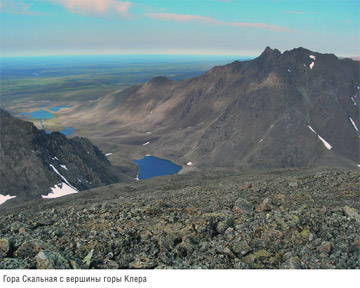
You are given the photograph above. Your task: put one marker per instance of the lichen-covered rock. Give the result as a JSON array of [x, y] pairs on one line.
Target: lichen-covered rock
[[243, 206], [305, 234], [291, 263], [143, 263], [240, 248], [5, 247], [357, 241], [263, 207], [350, 212], [258, 256], [87, 259], [325, 247], [28, 249], [51, 260]]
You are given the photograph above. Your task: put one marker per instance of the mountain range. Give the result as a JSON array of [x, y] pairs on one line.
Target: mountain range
[[241, 122], [280, 110], [292, 109]]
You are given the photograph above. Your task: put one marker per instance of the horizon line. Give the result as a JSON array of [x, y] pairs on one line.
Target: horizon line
[[126, 54], [354, 57]]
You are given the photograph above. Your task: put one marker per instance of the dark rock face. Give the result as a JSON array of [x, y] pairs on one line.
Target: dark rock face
[[4, 114], [252, 114], [29, 158]]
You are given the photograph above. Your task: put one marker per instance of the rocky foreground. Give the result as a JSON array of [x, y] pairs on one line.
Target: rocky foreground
[[294, 218]]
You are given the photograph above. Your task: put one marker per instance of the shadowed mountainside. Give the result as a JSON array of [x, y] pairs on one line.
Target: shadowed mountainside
[[32, 162]]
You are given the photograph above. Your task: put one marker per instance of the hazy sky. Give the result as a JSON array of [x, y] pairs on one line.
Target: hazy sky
[[53, 27]]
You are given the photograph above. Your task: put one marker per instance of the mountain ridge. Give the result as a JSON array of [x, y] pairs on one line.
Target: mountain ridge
[[35, 164], [217, 119]]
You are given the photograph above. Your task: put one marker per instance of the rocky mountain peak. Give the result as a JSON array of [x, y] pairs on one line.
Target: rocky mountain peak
[[160, 80], [253, 113], [300, 51], [270, 53]]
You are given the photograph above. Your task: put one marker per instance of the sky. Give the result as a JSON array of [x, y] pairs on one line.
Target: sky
[[211, 27]]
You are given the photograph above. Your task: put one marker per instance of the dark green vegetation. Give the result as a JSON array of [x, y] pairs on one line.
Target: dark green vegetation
[[289, 218], [83, 78]]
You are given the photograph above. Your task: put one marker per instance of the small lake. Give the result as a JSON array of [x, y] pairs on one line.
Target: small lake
[[44, 115], [150, 166], [57, 108], [67, 131], [41, 115]]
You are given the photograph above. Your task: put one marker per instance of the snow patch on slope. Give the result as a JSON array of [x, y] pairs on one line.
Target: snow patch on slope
[[3, 198], [60, 190], [64, 167], [62, 177], [326, 144], [353, 100], [312, 63], [312, 129], [353, 123]]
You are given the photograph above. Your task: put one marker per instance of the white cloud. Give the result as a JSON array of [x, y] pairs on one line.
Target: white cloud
[[93, 7], [17, 7], [183, 18], [213, 21], [302, 12]]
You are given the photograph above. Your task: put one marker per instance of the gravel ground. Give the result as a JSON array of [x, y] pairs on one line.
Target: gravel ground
[[278, 219]]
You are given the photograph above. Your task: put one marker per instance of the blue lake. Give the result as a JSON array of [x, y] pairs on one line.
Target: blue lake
[[57, 108], [150, 166], [41, 115], [67, 131]]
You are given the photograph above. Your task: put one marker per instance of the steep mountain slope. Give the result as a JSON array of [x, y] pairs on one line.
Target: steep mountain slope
[[34, 163], [297, 108]]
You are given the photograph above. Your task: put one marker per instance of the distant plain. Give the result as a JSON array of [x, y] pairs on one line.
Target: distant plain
[[28, 84], [64, 79]]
